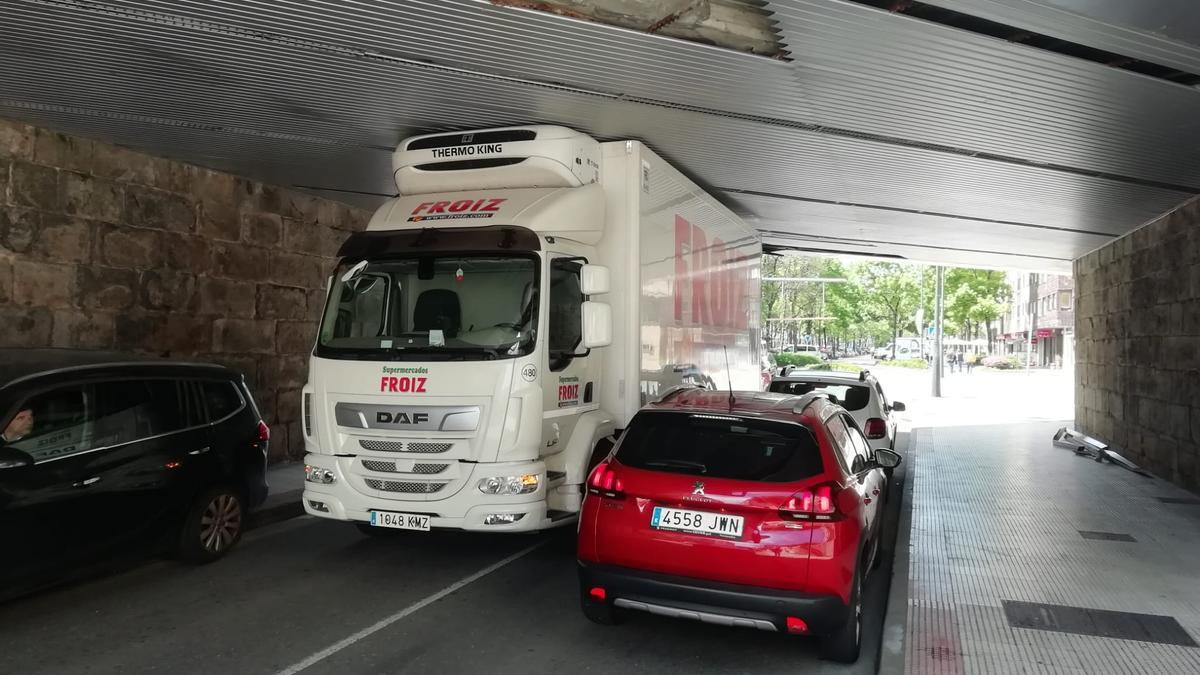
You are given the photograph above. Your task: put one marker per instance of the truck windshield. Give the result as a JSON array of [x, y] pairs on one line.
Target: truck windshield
[[431, 307]]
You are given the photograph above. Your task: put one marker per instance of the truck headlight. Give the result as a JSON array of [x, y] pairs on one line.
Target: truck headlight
[[315, 474], [510, 485]]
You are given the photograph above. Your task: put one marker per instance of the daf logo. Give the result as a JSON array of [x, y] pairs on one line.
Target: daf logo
[[467, 138], [698, 488], [384, 417]]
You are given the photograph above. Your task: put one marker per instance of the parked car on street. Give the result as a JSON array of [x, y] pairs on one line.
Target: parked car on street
[[104, 456], [761, 510], [860, 394], [811, 350]]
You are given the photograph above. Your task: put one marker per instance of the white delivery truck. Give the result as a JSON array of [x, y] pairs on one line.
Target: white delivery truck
[[496, 324]]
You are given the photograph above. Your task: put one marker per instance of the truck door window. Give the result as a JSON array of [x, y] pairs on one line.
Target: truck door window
[[566, 301]]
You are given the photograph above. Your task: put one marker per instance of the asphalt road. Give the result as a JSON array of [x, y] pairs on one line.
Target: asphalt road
[[315, 596]]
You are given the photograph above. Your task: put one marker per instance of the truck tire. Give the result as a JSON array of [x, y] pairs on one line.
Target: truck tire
[[844, 645]]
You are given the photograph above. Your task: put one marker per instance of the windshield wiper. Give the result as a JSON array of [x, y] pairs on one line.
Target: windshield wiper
[[679, 464]]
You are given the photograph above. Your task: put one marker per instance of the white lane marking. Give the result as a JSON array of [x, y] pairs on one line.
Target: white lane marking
[[415, 607]]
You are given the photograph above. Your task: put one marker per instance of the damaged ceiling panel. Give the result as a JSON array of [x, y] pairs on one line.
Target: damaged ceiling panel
[[742, 25], [885, 134]]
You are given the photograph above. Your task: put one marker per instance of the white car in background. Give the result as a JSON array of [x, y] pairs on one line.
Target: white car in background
[[860, 394], [811, 350]]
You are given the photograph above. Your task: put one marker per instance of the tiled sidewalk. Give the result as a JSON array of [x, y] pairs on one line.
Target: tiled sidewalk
[[997, 515]]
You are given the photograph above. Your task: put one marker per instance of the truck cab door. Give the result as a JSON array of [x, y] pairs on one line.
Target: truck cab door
[[569, 386]]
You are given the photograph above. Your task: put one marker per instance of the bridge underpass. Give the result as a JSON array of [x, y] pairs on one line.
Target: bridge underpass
[[190, 168]]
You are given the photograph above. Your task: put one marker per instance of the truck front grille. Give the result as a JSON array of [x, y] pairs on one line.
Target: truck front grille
[[429, 468], [429, 447], [382, 446], [390, 467], [397, 446], [408, 487]]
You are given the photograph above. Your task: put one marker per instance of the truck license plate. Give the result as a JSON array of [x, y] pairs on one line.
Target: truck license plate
[[400, 521], [697, 522]]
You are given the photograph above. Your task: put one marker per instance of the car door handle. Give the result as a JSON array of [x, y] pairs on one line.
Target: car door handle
[[201, 451], [86, 482]]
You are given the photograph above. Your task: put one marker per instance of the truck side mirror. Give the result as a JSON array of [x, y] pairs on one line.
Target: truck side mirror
[[594, 279], [597, 324]]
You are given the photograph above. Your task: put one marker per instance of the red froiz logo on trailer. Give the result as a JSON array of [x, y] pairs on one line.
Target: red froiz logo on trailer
[[402, 385], [709, 282], [456, 210]]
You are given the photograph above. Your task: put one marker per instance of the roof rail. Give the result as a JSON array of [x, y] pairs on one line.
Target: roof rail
[[862, 375], [672, 391], [808, 399]]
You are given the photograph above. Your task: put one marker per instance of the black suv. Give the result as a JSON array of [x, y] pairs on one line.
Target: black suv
[[103, 455]]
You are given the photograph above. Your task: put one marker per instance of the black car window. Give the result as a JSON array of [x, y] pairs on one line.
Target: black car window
[[720, 446], [850, 396], [840, 435], [131, 410], [862, 450], [222, 399], [52, 424]]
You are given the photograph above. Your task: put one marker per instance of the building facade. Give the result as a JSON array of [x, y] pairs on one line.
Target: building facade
[[1045, 304]]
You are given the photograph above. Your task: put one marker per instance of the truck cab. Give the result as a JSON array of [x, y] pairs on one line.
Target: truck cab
[[493, 326], [453, 382]]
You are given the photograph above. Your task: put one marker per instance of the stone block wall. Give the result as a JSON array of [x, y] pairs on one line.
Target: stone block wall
[[1137, 332], [105, 248]]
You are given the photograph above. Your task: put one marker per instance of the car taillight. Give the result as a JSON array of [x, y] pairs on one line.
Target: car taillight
[[875, 428], [604, 481], [817, 503], [264, 432]]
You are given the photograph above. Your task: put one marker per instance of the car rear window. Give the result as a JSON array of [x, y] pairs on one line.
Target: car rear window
[[850, 396], [720, 446]]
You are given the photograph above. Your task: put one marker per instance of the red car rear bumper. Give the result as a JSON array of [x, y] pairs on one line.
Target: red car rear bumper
[[712, 601]]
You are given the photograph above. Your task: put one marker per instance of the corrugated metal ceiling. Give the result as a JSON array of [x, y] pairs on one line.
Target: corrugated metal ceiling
[[879, 121]]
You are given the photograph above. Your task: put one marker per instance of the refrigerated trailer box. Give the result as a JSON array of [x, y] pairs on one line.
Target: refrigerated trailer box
[[493, 327]]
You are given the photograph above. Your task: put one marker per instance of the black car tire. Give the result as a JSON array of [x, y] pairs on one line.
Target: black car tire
[[844, 645], [601, 613], [213, 525]]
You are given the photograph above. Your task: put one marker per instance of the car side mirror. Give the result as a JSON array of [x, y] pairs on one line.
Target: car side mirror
[[887, 459], [898, 406], [12, 458]]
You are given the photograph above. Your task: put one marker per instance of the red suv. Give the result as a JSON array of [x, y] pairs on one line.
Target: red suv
[[749, 509]]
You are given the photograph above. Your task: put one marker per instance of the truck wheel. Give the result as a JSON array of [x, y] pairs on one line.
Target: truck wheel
[[213, 525], [600, 612], [843, 646]]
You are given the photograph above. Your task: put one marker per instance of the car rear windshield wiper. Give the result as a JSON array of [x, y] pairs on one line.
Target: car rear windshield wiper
[[679, 464]]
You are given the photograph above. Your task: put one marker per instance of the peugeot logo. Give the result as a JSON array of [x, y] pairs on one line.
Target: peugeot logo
[[698, 488], [467, 138]]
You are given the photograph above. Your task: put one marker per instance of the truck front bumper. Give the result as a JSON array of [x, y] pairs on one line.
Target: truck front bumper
[[467, 509]]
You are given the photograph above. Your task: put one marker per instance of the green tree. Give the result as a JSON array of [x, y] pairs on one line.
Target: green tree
[[892, 292]]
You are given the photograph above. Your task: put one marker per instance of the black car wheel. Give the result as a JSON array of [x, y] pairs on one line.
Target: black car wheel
[[843, 646], [213, 525]]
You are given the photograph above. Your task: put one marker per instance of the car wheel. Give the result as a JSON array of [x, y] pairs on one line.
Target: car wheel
[[213, 525], [600, 612], [843, 646]]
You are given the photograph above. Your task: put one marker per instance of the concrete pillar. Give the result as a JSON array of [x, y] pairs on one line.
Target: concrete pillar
[[1137, 345]]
